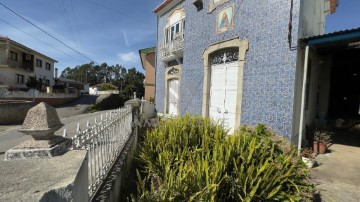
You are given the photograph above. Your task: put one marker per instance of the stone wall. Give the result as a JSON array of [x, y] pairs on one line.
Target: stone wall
[[61, 178], [13, 111], [270, 63]]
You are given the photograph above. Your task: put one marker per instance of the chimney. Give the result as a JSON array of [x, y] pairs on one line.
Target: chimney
[[56, 73]]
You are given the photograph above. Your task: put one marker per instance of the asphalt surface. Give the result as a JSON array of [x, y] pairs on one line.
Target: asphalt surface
[[70, 115]]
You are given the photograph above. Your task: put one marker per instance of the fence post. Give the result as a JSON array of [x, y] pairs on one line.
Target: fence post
[[135, 105]]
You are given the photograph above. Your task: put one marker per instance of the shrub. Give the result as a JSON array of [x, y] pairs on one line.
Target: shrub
[[193, 159], [59, 87], [106, 86], [32, 82], [112, 101]]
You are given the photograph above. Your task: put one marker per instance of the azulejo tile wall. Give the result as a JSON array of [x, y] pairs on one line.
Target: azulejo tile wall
[[270, 64]]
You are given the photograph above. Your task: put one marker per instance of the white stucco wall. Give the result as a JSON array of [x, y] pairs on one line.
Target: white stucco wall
[[2, 53], [42, 72], [9, 73], [93, 91]]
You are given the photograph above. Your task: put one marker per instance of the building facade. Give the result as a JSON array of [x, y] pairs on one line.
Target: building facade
[[18, 63], [237, 61], [147, 57]]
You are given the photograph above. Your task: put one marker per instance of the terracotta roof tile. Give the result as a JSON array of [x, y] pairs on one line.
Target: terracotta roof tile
[[333, 5]]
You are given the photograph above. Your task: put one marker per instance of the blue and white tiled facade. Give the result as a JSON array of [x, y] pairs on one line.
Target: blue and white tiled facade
[[270, 63]]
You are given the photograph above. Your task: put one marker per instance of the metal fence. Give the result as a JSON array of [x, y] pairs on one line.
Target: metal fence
[[104, 141]]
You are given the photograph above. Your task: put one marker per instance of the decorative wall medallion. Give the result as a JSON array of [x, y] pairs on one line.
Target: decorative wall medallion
[[225, 56], [173, 71], [214, 3], [225, 19]]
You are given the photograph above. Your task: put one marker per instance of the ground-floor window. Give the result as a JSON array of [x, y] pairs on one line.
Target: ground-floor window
[[20, 78]]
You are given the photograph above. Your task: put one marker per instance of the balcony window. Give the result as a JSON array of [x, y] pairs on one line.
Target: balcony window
[[173, 32], [13, 56], [172, 43], [47, 66], [38, 63]]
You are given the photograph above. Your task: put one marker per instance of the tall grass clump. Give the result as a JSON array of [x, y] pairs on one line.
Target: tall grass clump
[[193, 159]]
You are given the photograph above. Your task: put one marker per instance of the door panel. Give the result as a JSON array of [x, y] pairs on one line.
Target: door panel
[[173, 86], [223, 93]]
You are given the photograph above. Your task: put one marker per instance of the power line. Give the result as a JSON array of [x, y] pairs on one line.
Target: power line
[[47, 33], [119, 12], [6, 22]]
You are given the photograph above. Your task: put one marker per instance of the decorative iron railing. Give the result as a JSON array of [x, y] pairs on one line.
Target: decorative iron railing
[[104, 142], [27, 66], [174, 48]]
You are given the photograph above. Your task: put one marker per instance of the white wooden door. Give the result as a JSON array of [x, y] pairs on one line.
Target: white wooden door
[[173, 86], [223, 93]]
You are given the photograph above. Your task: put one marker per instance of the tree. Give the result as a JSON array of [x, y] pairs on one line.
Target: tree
[[128, 81]]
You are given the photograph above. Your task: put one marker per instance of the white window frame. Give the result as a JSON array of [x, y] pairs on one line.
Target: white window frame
[[171, 30], [38, 63]]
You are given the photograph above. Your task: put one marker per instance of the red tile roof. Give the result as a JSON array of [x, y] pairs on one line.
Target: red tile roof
[[333, 5], [162, 5]]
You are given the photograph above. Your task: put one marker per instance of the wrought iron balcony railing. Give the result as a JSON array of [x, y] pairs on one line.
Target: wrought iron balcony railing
[[172, 49], [27, 66]]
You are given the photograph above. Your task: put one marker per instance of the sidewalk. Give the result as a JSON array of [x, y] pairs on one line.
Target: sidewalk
[[338, 175]]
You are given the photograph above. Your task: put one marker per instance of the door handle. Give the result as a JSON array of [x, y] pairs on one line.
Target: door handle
[[226, 111], [218, 110]]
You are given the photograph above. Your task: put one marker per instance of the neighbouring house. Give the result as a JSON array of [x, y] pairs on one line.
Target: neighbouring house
[[103, 89], [18, 63], [241, 62], [69, 84], [147, 56]]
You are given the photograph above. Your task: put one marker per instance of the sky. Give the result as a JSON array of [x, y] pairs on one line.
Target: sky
[[347, 16], [110, 31]]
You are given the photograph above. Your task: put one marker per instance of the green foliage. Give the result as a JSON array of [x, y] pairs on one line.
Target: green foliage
[[113, 101], [58, 87], [323, 136], [32, 82], [128, 81], [106, 86], [193, 159]]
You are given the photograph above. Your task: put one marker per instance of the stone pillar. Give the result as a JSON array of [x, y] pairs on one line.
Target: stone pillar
[[40, 122], [135, 105], [42, 169]]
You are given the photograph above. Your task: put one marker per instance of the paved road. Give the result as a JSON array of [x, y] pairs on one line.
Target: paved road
[[70, 115]]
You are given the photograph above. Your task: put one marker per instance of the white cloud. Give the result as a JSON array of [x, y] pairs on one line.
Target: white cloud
[[126, 39], [130, 57]]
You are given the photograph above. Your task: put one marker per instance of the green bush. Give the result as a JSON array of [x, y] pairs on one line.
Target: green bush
[[106, 86], [60, 87], [113, 101], [32, 82], [193, 159]]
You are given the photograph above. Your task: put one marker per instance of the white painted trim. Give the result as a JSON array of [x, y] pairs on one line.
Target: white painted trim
[[303, 98]]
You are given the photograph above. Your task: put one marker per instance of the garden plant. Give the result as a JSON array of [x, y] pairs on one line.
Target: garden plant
[[194, 159]]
